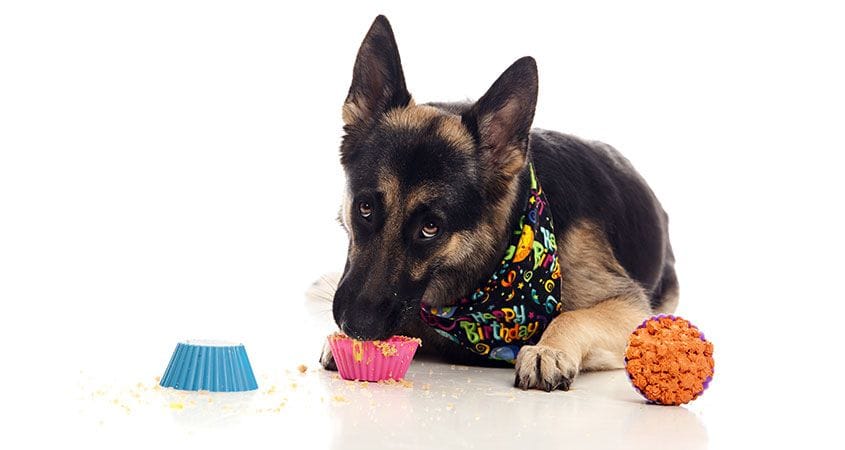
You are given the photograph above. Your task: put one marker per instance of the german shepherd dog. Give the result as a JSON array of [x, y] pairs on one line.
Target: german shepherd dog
[[434, 190]]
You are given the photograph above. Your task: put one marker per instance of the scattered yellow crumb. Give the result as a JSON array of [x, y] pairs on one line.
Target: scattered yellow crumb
[[302, 368], [357, 350], [158, 379], [293, 385], [392, 382], [386, 348], [176, 405], [272, 389], [450, 406], [339, 398], [426, 387]]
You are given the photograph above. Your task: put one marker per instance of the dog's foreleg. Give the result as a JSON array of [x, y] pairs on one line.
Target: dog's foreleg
[[585, 339]]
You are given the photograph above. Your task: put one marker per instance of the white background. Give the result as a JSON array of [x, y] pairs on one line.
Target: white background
[[168, 170]]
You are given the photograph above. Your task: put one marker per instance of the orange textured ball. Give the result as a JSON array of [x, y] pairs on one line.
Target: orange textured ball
[[668, 360]]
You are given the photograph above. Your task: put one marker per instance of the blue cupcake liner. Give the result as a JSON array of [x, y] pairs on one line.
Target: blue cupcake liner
[[209, 366]]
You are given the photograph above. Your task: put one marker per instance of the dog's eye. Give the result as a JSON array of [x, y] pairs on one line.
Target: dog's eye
[[365, 209], [429, 230]]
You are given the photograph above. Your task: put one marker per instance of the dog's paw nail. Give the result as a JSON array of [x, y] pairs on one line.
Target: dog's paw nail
[[544, 368], [564, 384]]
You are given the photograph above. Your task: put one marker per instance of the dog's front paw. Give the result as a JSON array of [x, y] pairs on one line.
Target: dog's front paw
[[327, 359], [546, 368]]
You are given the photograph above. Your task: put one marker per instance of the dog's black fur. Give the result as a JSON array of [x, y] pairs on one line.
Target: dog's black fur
[[388, 160]]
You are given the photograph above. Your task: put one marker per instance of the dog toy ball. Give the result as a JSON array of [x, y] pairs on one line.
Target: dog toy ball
[[668, 360]]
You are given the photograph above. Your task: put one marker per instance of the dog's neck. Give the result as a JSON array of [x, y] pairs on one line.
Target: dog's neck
[[522, 189]]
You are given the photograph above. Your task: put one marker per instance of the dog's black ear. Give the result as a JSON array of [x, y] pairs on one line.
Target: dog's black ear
[[501, 120], [378, 84]]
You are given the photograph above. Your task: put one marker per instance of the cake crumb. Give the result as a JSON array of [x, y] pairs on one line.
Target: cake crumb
[[302, 368], [339, 398], [177, 405], [387, 349]]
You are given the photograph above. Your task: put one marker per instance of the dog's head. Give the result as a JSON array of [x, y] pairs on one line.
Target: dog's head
[[430, 190]]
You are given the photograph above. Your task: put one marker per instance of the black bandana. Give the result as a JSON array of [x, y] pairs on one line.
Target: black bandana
[[514, 306]]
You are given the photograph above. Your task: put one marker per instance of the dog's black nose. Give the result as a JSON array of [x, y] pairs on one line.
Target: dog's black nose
[[366, 315], [367, 320], [364, 330]]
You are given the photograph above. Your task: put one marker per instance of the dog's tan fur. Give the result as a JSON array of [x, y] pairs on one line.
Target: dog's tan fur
[[452, 131], [352, 112], [388, 185], [590, 271], [411, 117]]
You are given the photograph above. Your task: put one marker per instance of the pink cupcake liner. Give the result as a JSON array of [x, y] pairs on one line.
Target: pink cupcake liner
[[372, 360]]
